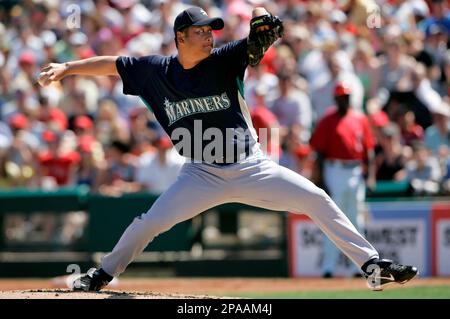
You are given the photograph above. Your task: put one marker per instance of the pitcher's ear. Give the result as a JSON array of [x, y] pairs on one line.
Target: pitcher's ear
[[180, 37]]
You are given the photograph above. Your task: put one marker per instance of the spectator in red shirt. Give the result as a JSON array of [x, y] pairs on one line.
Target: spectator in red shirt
[[378, 120], [265, 124], [57, 163], [410, 130], [51, 115], [343, 141]]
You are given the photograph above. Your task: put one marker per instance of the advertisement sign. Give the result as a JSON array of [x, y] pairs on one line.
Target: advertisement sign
[[306, 253], [410, 233], [441, 239], [400, 239], [399, 231]]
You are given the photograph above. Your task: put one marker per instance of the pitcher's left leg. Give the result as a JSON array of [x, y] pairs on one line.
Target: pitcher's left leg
[[268, 185]]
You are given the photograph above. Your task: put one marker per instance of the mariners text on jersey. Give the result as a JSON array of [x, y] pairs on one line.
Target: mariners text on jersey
[[180, 109]]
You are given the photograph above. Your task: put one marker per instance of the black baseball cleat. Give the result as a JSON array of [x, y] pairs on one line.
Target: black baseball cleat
[[381, 272], [94, 280]]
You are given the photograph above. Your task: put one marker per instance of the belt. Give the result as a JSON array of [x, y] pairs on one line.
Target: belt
[[223, 164], [215, 163], [344, 163]]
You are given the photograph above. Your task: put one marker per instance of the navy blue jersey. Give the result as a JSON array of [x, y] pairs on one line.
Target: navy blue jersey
[[202, 101]]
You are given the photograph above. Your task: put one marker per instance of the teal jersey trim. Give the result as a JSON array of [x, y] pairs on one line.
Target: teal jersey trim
[[146, 104], [240, 85]]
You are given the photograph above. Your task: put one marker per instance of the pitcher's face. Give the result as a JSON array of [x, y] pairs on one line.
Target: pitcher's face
[[199, 41]]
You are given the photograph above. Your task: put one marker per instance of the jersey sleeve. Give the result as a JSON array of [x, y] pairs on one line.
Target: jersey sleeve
[[134, 73], [235, 56]]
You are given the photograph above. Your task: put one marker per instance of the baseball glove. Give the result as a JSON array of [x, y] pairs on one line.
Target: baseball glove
[[264, 31]]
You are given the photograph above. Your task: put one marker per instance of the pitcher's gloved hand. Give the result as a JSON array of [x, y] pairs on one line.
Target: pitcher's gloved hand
[[264, 31]]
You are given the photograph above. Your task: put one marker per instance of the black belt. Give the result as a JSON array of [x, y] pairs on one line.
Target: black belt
[[223, 164]]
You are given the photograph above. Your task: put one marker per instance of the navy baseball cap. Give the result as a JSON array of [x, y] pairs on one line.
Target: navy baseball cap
[[198, 17]]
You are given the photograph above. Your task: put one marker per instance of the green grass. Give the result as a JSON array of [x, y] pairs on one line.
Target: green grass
[[431, 292]]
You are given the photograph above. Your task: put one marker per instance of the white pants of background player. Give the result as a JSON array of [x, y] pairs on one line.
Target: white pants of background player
[[346, 187], [256, 181]]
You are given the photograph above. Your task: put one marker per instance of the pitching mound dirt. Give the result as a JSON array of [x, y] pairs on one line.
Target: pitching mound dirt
[[107, 294], [187, 288]]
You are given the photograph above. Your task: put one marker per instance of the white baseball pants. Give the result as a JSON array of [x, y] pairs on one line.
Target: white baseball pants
[[256, 181]]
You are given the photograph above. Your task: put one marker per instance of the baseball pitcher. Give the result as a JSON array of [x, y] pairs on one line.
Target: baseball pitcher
[[197, 96]]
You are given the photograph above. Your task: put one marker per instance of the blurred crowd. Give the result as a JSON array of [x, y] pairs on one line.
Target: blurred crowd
[[83, 131]]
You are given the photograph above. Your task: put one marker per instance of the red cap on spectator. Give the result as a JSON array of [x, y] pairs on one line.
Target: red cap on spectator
[[83, 122], [379, 119], [18, 121], [302, 151], [59, 117], [164, 142], [50, 136], [27, 57], [87, 53], [85, 143], [342, 88]]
